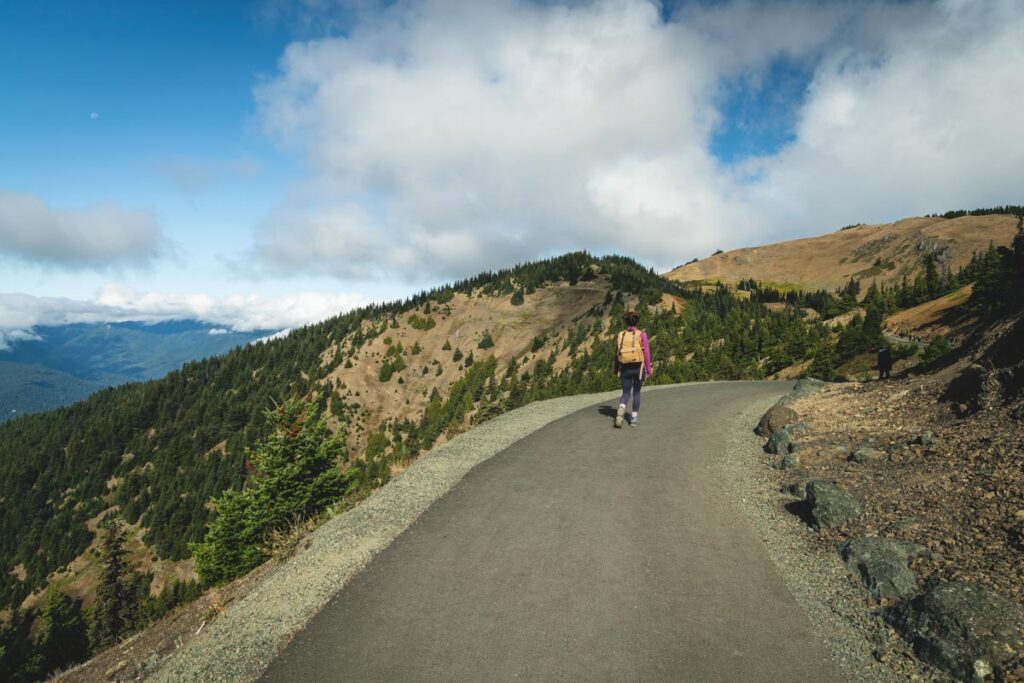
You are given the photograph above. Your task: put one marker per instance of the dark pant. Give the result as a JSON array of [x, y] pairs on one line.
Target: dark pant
[[631, 383], [883, 373]]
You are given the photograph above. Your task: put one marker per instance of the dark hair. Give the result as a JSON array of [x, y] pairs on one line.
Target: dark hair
[[631, 317]]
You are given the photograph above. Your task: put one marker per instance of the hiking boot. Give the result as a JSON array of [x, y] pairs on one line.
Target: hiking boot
[[618, 416]]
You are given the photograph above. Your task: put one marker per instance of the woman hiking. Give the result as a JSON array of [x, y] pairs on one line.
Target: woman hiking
[[632, 365]]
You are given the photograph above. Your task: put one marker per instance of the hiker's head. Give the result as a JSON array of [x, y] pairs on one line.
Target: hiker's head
[[631, 318]]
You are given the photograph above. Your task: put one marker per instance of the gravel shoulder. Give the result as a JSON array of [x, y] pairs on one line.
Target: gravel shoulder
[[814, 576]]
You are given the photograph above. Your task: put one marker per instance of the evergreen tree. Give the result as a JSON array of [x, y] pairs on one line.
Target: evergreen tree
[[932, 281], [62, 638], [295, 474], [114, 612]]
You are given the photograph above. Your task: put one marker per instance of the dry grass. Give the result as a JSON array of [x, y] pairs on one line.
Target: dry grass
[[829, 261]]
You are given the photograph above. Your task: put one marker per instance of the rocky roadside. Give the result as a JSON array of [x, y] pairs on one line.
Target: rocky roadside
[[917, 485]]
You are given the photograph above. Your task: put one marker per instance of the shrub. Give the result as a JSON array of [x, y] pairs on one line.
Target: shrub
[[422, 323], [295, 475], [938, 346], [486, 341]]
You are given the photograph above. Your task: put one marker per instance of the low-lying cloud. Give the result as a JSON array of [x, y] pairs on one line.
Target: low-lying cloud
[[96, 237], [21, 314], [444, 137]]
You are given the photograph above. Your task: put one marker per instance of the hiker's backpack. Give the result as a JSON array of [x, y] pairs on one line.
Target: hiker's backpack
[[629, 348]]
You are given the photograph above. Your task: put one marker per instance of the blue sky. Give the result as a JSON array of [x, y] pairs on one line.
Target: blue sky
[[272, 162]]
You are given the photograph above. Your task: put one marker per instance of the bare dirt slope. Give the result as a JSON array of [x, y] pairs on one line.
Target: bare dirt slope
[[944, 315], [459, 324], [885, 253]]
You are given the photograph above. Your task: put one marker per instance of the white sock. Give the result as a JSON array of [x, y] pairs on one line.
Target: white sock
[[634, 414], [622, 405]]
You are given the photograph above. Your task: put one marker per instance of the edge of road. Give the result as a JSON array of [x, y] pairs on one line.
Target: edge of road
[[816, 579], [250, 633]]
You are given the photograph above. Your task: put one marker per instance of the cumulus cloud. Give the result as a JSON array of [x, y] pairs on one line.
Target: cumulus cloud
[[100, 236], [21, 314], [444, 137], [928, 119]]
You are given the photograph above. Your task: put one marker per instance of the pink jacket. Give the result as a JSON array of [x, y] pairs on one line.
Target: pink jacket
[[647, 352]]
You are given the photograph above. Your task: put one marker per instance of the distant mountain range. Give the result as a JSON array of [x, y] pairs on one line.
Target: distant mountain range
[[67, 363]]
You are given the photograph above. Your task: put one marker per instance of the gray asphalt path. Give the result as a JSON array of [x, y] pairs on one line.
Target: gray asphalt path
[[580, 553]]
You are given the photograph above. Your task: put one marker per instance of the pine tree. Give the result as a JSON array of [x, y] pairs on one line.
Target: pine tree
[[62, 635], [114, 611], [295, 475]]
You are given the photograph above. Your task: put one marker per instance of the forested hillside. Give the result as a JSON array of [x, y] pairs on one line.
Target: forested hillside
[[62, 364], [156, 453], [390, 381]]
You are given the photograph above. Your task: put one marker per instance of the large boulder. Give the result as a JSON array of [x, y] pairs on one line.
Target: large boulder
[[881, 565], [779, 443], [775, 419], [830, 506], [802, 389], [806, 387], [963, 629]]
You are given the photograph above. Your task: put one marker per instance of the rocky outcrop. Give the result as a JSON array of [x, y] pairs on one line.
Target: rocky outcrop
[[963, 629], [829, 506], [881, 565]]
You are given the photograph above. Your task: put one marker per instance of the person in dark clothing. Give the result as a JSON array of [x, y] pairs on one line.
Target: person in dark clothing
[[884, 362]]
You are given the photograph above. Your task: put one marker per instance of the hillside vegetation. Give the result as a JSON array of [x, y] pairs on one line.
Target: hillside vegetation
[[884, 253], [394, 379], [182, 469]]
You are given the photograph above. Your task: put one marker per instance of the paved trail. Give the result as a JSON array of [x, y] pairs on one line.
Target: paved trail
[[580, 553]]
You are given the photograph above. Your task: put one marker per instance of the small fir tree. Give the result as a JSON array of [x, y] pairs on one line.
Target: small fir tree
[[114, 610]]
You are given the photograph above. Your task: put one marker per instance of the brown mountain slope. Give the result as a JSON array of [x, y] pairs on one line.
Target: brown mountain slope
[[884, 253], [550, 313]]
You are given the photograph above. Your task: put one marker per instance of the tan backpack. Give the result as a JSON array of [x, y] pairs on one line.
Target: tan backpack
[[629, 347]]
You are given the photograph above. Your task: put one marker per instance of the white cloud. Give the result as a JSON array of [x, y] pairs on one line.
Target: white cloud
[[20, 314], [926, 121], [100, 236], [444, 137]]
